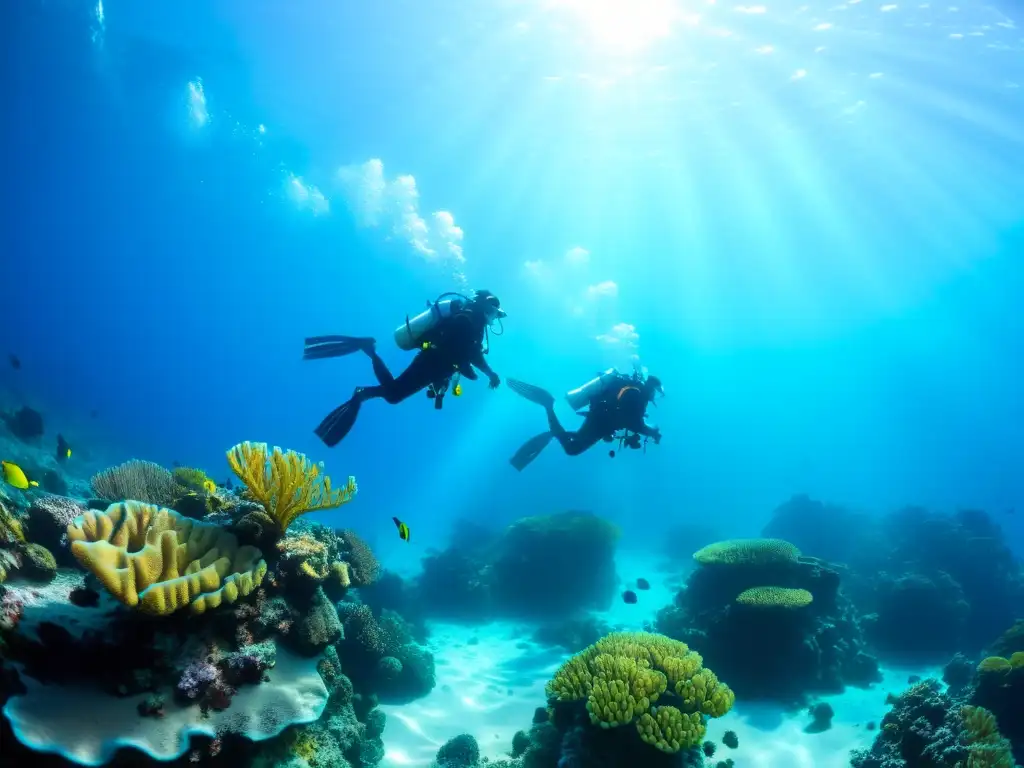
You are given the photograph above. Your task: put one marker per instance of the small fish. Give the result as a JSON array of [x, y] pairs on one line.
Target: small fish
[[403, 529], [14, 475], [629, 597], [643, 584], [15, 362], [457, 391], [63, 449], [209, 486], [229, 485]]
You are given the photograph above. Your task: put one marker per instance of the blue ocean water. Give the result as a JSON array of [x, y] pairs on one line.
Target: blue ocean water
[[805, 218]]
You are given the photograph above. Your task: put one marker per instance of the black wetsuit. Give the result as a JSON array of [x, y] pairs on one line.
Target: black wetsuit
[[454, 346], [623, 407]]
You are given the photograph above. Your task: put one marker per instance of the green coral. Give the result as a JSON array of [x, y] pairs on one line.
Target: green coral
[[189, 479], [994, 664], [747, 552], [986, 747], [775, 597], [39, 563], [625, 674], [670, 730]]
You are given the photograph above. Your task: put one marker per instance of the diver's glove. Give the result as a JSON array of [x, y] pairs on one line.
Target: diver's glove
[[495, 380], [656, 437]]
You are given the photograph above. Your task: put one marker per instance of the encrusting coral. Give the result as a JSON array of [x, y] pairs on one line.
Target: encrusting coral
[[159, 561], [285, 483], [622, 677]]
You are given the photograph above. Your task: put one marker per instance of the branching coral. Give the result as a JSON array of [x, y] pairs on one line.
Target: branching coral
[[137, 480], [160, 561], [623, 676], [285, 483]]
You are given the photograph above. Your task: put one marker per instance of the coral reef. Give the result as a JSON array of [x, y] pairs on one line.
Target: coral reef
[[523, 573], [755, 599], [948, 583], [927, 728], [928, 584], [381, 655]]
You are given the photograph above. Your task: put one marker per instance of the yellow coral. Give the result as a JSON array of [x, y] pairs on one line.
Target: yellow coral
[[308, 570], [623, 675], [1017, 660], [304, 747], [747, 552], [670, 730], [287, 484], [339, 570], [775, 597], [10, 527], [159, 561]]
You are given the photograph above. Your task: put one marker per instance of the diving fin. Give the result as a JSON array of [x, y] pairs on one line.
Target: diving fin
[[323, 347], [339, 422], [530, 450], [530, 392]]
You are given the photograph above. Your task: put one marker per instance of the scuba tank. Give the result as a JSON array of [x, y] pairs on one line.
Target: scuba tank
[[581, 396], [409, 335]]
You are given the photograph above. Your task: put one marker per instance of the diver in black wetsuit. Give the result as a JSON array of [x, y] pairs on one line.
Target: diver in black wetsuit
[[618, 407], [450, 339]]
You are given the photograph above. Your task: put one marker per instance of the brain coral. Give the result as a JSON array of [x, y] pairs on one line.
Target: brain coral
[[159, 561]]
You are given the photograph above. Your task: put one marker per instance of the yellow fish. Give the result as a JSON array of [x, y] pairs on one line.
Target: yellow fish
[[209, 486], [14, 475], [403, 529], [458, 390]]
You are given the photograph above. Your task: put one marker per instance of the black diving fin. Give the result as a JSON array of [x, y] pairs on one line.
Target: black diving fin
[[534, 394], [323, 347], [339, 422], [530, 450]]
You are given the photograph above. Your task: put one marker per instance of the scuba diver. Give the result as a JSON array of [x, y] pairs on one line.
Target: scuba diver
[[618, 407], [451, 336]]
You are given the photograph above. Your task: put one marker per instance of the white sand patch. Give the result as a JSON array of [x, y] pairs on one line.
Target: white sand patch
[[488, 688], [773, 738]]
